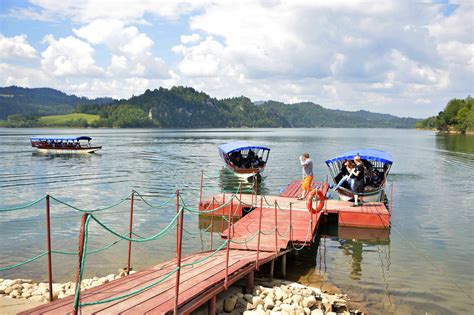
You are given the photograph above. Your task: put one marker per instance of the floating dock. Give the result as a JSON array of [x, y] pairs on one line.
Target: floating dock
[[255, 230]]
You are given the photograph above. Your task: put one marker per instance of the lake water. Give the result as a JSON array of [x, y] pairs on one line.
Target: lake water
[[424, 264]]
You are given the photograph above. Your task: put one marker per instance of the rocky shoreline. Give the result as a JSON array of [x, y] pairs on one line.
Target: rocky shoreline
[[281, 297], [278, 297], [39, 292]]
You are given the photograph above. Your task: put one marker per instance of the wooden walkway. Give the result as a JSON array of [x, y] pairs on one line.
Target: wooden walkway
[[202, 281], [198, 283]]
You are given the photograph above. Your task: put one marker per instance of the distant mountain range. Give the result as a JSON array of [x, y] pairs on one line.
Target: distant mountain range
[[184, 107]]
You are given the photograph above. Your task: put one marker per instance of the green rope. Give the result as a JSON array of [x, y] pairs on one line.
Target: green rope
[[155, 282], [24, 262], [164, 203], [193, 211], [306, 237], [91, 252], [83, 261], [131, 293], [6, 209], [269, 232], [247, 240], [122, 200], [151, 238]]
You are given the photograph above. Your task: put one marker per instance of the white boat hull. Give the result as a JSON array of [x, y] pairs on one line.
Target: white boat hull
[[377, 196], [63, 151]]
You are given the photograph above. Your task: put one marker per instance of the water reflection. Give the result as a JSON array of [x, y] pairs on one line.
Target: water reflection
[[455, 142], [230, 182]]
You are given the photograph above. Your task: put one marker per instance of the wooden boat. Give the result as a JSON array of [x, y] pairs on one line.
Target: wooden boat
[[63, 144], [377, 163], [243, 158]]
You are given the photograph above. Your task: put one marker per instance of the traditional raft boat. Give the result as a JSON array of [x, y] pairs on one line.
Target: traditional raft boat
[[377, 164], [63, 144], [243, 158]]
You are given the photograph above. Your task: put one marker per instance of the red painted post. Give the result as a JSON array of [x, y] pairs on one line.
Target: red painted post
[[212, 221], [79, 264], [130, 229], [200, 190], [259, 232], [228, 248], [276, 229], [48, 244], [179, 232], [291, 223], [391, 198]]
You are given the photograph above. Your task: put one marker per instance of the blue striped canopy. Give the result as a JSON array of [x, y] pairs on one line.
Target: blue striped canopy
[[60, 138], [239, 146], [365, 154]]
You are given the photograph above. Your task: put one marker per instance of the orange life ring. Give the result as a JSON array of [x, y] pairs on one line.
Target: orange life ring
[[320, 204]]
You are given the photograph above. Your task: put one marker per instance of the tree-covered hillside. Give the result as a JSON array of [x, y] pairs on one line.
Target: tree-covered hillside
[[458, 115], [184, 107], [40, 102]]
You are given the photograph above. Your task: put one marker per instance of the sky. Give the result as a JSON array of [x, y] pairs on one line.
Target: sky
[[401, 57]]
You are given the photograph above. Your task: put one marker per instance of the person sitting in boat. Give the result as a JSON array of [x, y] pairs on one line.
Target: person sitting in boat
[[348, 168], [376, 178], [236, 159]]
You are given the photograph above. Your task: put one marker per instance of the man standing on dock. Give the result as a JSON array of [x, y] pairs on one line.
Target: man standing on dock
[[307, 165]]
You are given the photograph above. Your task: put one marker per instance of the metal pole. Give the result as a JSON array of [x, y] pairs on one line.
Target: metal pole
[[130, 232], [276, 230], [212, 221], [179, 232], [228, 248], [391, 198], [291, 223], [79, 264], [200, 191], [48, 244], [259, 232]]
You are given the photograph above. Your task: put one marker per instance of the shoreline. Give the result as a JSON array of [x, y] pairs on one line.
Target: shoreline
[[276, 296]]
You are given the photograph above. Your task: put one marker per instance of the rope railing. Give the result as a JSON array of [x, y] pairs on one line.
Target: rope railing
[[25, 206]]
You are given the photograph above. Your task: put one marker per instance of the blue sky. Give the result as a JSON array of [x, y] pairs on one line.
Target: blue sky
[[400, 57]]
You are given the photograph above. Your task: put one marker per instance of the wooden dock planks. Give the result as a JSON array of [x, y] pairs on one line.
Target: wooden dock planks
[[159, 299]]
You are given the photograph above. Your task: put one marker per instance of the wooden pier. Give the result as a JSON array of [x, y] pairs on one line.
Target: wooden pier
[[256, 231]]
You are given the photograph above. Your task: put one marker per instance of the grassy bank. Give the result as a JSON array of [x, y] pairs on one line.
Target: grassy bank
[[66, 120]]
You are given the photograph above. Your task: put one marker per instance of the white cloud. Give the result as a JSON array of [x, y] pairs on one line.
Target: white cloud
[[16, 47], [189, 39], [69, 56], [131, 50]]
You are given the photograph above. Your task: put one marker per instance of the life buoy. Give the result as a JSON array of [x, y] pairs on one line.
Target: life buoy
[[320, 203]]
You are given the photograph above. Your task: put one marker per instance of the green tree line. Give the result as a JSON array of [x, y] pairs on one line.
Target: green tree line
[[458, 115]]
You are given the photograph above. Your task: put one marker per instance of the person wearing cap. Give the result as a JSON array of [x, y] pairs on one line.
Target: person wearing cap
[[307, 165]]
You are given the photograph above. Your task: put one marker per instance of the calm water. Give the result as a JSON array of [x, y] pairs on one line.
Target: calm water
[[423, 265]]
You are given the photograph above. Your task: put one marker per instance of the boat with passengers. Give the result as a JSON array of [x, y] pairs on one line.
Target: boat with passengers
[[243, 158], [377, 164], [63, 144]]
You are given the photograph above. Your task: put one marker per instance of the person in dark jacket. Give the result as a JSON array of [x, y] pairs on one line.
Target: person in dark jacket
[[358, 175]]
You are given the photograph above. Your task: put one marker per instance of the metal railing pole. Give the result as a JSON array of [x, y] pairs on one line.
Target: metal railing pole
[[291, 223], [228, 246], [223, 211], [130, 229], [79, 264], [276, 229], [48, 244], [259, 232], [200, 190], [391, 198], [179, 234], [212, 222]]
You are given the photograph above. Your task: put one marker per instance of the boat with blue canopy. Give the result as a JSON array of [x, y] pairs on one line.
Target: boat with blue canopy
[[244, 158], [377, 165], [63, 144]]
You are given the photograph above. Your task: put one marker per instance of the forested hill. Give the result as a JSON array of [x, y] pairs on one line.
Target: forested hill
[[40, 101], [184, 107]]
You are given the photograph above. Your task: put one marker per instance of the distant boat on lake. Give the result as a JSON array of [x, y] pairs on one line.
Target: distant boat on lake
[[63, 144], [377, 164], [243, 158]]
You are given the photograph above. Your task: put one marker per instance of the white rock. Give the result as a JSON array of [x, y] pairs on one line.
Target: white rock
[[297, 286], [297, 299], [250, 313], [229, 303], [37, 298], [268, 303], [256, 300], [309, 301], [110, 277], [331, 313], [307, 311], [15, 294], [317, 312]]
